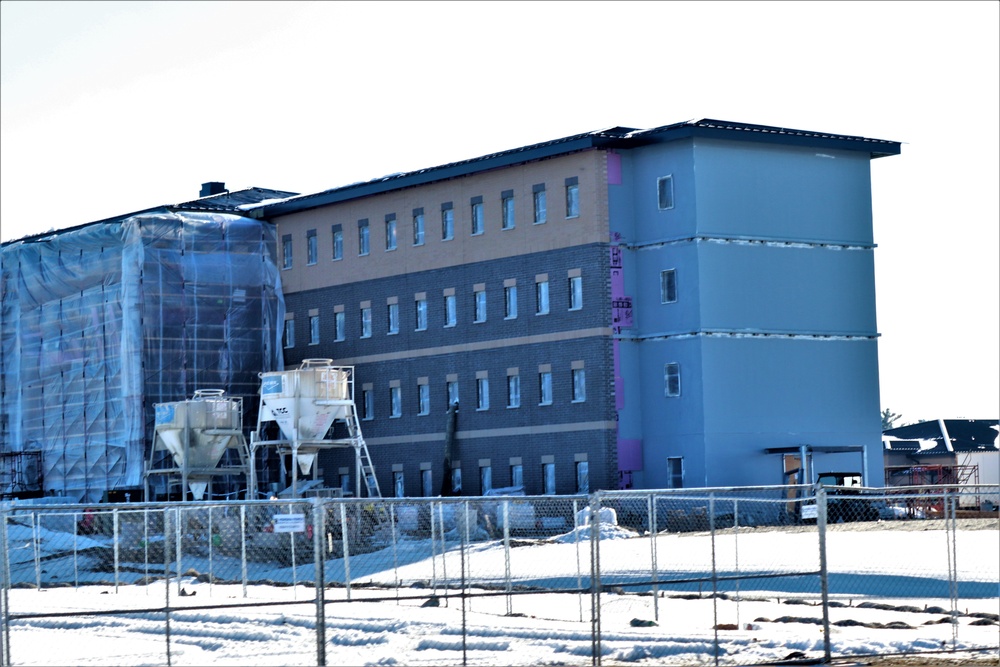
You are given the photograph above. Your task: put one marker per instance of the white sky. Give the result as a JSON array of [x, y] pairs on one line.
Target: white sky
[[112, 107]]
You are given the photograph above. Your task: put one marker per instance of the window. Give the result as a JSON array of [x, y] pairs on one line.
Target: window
[[421, 308], [314, 329], [582, 477], [538, 201], [545, 388], [289, 333], [450, 311], [452, 392], [579, 385], [312, 247], [418, 226], [339, 328], [395, 402], [390, 232], [665, 192], [363, 237], [286, 251], [675, 472], [423, 399], [672, 380], [510, 302], [668, 286], [549, 479], [513, 391], [542, 297], [397, 484], [393, 318], [447, 222], [456, 480], [572, 198], [345, 483], [338, 242], [482, 394], [368, 404], [427, 483], [366, 322], [479, 306], [507, 209], [517, 475], [485, 479], [477, 215], [575, 293]]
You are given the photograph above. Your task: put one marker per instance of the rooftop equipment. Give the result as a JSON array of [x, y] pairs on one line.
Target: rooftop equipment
[[305, 403], [198, 433]]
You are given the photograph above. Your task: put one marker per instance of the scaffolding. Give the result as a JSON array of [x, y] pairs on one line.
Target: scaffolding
[[101, 322]]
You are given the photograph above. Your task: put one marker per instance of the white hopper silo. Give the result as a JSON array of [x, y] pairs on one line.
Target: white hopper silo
[[197, 433], [305, 403]]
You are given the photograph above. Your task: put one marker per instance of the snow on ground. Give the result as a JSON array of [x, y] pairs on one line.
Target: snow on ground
[[893, 578]]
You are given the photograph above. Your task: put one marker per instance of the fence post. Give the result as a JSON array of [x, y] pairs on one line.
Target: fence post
[[319, 579], [243, 547], [715, 578], [506, 552], [950, 527], [824, 580], [4, 587], [595, 582], [579, 575], [347, 551], [35, 540], [464, 536], [651, 515], [166, 572], [115, 531], [395, 553]]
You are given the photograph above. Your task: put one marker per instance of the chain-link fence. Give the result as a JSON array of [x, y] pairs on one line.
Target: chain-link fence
[[690, 576]]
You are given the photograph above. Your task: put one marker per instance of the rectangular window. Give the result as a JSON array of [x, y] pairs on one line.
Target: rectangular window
[[393, 318], [366, 322], [545, 388], [575, 293], [390, 231], [477, 215], [397, 484], [364, 246], [517, 475], [479, 310], [423, 399], [579, 385], [450, 311], [368, 404], [338, 242], [345, 484], [665, 192], [582, 477], [339, 328], [510, 302], [314, 329], [395, 402], [542, 297], [482, 394], [456, 481], [513, 391], [675, 472], [427, 483], [452, 392], [286, 251], [289, 333], [418, 226], [572, 198], [421, 314], [485, 479], [549, 479], [668, 286], [312, 247], [672, 380], [447, 222], [538, 201], [507, 209]]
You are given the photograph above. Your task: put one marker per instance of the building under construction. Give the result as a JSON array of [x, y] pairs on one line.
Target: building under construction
[[102, 322]]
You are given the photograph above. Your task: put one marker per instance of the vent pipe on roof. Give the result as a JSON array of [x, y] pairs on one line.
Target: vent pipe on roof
[[212, 188]]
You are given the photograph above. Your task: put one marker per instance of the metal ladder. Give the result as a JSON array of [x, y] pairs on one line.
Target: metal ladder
[[361, 448]]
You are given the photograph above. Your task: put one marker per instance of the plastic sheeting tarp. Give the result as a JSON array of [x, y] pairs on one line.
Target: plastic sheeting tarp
[[99, 323]]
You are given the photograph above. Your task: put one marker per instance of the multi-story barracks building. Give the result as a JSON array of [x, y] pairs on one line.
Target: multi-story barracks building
[[622, 308]]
